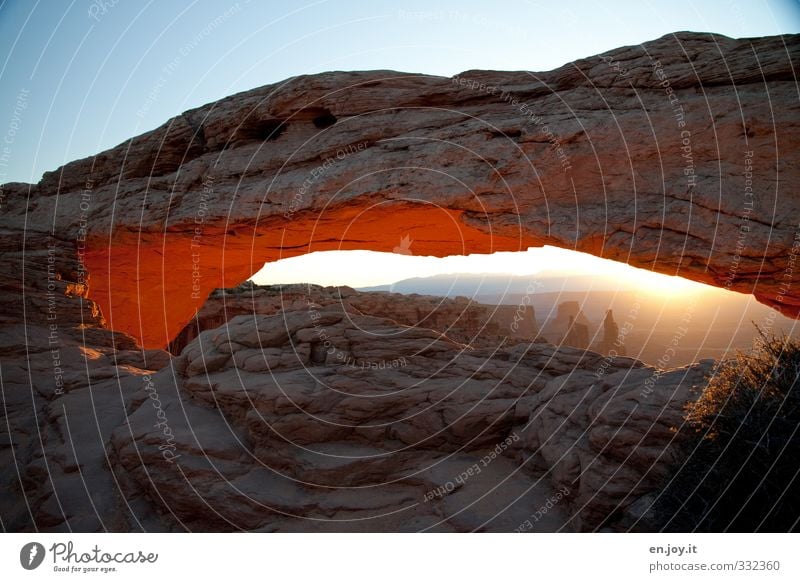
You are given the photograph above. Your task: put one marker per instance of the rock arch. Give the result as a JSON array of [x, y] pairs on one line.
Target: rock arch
[[675, 155]]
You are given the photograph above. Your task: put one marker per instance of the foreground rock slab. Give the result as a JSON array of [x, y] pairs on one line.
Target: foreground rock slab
[[393, 428]]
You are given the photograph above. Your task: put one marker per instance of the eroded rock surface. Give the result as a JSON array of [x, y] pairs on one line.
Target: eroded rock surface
[[391, 427], [461, 319], [66, 382]]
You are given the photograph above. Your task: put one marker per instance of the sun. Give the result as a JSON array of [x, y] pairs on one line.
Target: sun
[[659, 284]]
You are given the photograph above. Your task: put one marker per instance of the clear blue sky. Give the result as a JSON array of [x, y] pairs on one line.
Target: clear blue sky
[[91, 73]]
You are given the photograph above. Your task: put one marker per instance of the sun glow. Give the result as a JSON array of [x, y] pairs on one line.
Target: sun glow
[[367, 268]]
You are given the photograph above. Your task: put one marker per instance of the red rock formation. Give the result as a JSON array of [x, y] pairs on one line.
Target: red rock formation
[[671, 155]]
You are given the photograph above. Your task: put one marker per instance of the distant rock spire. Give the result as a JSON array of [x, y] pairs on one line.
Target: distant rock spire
[[610, 335]]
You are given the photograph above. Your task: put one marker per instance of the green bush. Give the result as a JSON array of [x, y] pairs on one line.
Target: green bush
[[740, 460]]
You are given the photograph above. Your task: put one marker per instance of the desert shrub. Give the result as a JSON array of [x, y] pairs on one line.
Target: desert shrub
[[740, 460]]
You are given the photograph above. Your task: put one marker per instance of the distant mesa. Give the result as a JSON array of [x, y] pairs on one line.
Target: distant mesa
[[570, 326]]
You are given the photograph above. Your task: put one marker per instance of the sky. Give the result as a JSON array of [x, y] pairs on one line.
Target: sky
[[97, 72], [81, 76]]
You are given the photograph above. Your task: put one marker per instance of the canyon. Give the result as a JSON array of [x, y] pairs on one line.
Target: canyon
[[352, 415]]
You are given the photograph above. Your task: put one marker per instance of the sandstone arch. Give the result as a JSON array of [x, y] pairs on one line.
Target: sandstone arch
[[676, 155]]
